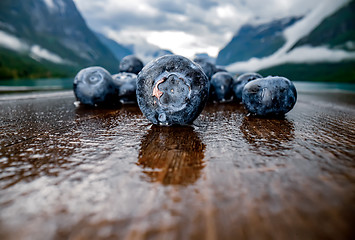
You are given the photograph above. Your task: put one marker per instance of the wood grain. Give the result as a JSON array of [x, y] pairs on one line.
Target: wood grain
[[77, 173]]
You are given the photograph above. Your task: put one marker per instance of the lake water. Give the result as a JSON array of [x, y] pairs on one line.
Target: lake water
[[55, 84], [324, 87], [28, 85]]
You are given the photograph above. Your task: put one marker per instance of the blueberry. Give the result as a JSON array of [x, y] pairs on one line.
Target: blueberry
[[172, 90], [270, 96], [93, 86], [131, 64], [221, 87], [126, 85], [240, 83], [208, 68]]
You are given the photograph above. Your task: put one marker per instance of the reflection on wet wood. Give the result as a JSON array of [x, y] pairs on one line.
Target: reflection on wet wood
[[172, 155], [269, 133], [79, 173]]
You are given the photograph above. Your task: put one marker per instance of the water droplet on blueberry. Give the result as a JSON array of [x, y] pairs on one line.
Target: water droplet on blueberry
[[175, 86]]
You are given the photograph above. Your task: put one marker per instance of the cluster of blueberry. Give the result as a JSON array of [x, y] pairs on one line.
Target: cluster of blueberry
[[94, 86], [173, 90], [269, 96]]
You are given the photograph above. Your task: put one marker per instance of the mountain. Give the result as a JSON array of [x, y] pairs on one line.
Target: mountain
[[117, 49], [255, 41], [146, 51], [318, 47], [343, 71], [336, 32], [205, 57], [44, 38]]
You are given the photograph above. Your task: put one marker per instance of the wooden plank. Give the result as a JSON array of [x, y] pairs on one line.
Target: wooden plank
[[78, 173]]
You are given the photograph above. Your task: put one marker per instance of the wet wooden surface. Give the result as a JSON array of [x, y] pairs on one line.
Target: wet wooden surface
[[76, 173]]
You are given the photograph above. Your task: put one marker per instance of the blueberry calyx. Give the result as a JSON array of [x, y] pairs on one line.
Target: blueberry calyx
[[156, 92], [172, 92], [94, 78]]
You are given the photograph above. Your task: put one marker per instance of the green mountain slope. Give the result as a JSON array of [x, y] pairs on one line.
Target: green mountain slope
[[255, 41], [117, 49], [60, 29], [318, 72], [336, 31], [14, 66]]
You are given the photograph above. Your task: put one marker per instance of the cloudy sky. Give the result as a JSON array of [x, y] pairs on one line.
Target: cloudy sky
[[185, 26]]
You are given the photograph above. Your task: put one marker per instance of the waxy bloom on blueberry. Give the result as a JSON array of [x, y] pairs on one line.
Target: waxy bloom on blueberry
[[93, 86], [131, 64], [208, 68], [126, 86], [172, 90], [270, 96], [221, 87], [240, 83]]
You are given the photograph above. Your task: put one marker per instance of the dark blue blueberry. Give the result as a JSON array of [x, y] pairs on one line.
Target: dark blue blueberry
[[221, 87], [240, 83], [126, 85], [172, 90], [270, 96], [208, 68], [93, 86], [131, 64], [204, 57]]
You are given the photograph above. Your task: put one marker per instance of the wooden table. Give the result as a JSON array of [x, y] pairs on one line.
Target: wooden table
[[76, 173]]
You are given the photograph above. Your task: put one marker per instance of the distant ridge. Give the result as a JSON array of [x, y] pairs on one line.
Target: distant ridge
[[45, 38], [322, 52], [255, 41]]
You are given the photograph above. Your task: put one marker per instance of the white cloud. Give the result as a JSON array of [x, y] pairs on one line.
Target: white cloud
[[108, 9], [170, 39], [50, 4], [225, 11], [308, 23], [42, 53], [143, 49], [36, 52], [305, 54], [58, 5], [11, 42], [208, 25], [183, 43]]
